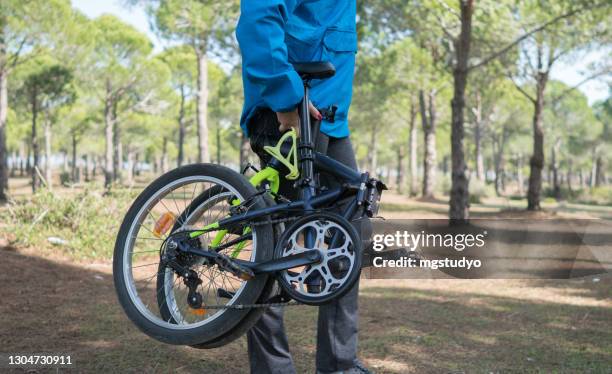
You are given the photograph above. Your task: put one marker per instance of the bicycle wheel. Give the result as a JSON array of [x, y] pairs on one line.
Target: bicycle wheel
[[139, 247], [205, 202]]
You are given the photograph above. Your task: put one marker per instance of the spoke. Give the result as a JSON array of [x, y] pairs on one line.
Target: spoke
[[140, 266], [143, 238], [153, 250]]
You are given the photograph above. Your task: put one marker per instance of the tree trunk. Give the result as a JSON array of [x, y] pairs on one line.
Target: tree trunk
[[569, 176], [600, 176], [500, 162], [413, 149], [536, 163], [399, 180], [118, 150], [593, 168], [519, 174], [554, 165], [48, 172], [136, 169], [182, 130], [459, 199], [22, 156], [87, 169], [94, 170], [478, 129], [164, 156], [29, 159], [64, 162], [109, 171], [202, 106], [75, 168], [130, 167], [3, 117], [35, 147], [429, 133]]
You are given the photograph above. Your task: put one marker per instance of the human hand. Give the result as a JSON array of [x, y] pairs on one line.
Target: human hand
[[289, 120]]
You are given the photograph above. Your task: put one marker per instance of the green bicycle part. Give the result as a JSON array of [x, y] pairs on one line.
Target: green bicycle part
[[291, 161], [240, 246], [267, 174], [207, 228]]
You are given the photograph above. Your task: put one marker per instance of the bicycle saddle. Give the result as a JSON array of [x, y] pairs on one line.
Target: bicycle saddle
[[315, 70]]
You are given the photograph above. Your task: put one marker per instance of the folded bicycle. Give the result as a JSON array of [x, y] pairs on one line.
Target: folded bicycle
[[202, 249]]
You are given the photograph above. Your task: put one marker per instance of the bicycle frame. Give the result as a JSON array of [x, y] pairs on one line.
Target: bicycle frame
[[364, 189]]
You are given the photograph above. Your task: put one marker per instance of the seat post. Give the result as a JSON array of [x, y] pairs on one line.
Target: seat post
[[306, 150]]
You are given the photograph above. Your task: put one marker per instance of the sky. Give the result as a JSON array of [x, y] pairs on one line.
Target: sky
[[570, 73]]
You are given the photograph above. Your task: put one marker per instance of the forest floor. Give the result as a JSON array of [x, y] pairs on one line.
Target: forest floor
[[55, 303]]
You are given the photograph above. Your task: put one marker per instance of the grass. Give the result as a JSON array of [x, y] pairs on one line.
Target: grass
[[81, 224], [406, 326], [59, 298]]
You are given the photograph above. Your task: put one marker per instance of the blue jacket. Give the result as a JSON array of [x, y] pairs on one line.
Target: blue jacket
[[274, 33]]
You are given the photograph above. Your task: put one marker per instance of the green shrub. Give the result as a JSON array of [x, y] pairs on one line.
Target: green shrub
[[84, 224], [443, 184], [564, 193], [480, 190], [598, 195]]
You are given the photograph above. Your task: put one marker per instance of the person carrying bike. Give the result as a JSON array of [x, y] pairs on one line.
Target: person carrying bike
[[273, 35]]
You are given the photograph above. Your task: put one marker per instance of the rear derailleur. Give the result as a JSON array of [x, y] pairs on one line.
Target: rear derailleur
[[182, 252]]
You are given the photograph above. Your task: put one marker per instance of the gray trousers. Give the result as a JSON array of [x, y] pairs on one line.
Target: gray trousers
[[337, 326]]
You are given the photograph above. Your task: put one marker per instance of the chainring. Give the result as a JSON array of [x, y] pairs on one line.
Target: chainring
[[341, 253]]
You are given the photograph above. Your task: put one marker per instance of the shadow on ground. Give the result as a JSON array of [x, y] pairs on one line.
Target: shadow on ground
[[58, 307]]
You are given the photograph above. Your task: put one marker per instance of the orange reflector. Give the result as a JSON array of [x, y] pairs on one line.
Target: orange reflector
[[163, 224], [198, 312]]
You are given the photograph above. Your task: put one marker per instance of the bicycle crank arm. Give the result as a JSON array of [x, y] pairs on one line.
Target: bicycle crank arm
[[272, 266]]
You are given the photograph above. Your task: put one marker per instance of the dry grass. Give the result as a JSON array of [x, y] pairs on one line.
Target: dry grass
[[51, 302], [407, 326]]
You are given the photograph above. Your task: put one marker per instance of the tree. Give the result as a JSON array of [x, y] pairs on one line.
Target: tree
[[120, 53], [22, 28], [451, 28], [182, 64], [46, 91], [540, 53], [201, 25], [603, 143]]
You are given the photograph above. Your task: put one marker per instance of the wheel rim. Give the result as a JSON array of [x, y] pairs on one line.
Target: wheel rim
[[166, 198]]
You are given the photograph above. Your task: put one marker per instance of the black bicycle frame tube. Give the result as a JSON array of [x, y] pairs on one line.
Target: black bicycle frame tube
[[317, 201], [336, 169], [306, 151]]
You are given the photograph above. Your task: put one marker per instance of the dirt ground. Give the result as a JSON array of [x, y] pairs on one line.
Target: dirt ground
[[407, 326], [53, 303]]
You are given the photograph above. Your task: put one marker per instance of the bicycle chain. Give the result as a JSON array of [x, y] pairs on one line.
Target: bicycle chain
[[271, 221], [251, 306]]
